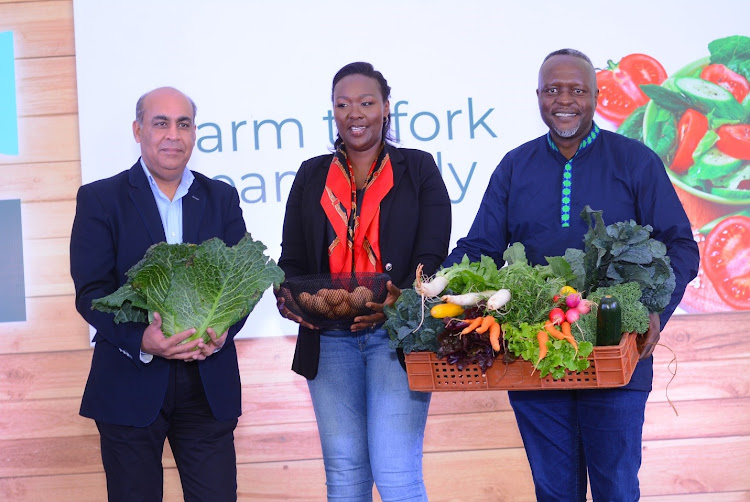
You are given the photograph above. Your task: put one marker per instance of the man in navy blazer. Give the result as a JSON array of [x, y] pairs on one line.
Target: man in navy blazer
[[144, 387]]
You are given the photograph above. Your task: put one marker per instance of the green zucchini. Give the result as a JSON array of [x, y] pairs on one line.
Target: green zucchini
[[608, 321]]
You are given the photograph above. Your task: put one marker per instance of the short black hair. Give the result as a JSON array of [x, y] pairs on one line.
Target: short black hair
[[569, 52]]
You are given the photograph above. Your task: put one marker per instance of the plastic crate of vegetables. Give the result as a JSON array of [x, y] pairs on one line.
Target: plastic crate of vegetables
[[569, 324], [609, 366]]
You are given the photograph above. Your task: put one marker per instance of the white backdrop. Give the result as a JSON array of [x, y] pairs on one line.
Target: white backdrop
[[245, 62]]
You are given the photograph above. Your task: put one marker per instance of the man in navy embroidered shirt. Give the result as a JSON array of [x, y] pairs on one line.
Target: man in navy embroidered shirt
[[144, 387], [535, 197]]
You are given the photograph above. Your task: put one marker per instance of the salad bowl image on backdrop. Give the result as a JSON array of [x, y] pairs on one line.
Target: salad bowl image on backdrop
[[698, 121]]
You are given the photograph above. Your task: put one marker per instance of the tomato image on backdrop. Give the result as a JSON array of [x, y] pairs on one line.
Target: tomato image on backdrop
[[697, 119]]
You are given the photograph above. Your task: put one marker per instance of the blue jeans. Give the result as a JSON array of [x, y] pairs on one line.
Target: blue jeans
[[371, 425], [567, 433]]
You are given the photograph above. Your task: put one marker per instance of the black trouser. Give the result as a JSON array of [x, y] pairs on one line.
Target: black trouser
[[203, 447]]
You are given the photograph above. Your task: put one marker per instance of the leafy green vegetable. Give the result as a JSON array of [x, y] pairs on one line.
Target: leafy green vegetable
[[660, 137], [632, 126], [561, 356], [625, 252], [733, 52], [634, 313], [467, 276], [194, 286], [666, 98], [704, 145], [403, 324]]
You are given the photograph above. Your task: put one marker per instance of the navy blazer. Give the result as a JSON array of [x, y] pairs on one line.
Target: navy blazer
[[116, 221], [415, 227]]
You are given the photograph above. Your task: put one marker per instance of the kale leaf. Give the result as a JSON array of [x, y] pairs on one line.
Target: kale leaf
[[625, 252], [410, 325], [194, 286]]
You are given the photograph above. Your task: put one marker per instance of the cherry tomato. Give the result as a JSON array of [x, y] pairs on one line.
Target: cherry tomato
[[729, 80], [691, 128], [726, 260], [619, 91], [734, 140]]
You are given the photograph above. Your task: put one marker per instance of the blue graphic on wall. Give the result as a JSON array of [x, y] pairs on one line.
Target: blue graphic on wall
[[8, 118]]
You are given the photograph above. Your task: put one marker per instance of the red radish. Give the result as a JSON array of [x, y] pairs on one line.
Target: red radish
[[584, 306], [572, 300], [556, 315], [572, 315]]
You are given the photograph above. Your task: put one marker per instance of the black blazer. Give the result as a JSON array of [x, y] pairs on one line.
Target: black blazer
[[116, 221], [415, 227]]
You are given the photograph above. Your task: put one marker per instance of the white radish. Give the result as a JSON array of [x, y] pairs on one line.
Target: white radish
[[429, 288], [433, 288], [467, 299], [498, 299]]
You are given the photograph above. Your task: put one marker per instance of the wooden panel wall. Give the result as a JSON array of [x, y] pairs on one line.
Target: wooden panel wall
[[473, 451]]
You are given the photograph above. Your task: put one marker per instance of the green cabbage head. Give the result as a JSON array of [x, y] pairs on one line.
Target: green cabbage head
[[194, 286]]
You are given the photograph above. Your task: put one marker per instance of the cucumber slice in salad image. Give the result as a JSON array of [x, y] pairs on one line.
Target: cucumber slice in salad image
[[714, 175], [709, 98], [714, 164]]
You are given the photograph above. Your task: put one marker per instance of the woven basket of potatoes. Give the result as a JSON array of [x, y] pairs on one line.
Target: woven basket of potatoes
[[333, 301]]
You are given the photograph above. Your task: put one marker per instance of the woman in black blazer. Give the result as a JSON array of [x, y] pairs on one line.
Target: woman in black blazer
[[368, 207]]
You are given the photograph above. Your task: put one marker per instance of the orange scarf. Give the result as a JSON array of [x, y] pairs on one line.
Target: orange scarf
[[356, 245]]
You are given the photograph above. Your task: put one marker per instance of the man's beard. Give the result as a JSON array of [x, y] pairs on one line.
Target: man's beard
[[567, 133]]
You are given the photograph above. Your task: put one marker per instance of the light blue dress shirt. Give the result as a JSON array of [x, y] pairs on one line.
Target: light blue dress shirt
[[170, 212]]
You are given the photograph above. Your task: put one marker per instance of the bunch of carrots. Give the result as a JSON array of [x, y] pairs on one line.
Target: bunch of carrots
[[482, 324], [564, 333]]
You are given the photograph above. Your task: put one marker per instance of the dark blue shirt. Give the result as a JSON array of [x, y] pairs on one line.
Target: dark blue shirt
[[620, 176]]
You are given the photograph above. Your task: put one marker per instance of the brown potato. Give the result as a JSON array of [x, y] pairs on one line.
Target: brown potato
[[336, 297], [359, 298], [305, 300], [318, 306], [343, 310]]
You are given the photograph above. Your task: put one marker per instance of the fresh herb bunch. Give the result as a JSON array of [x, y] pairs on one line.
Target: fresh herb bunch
[[410, 325], [532, 288], [624, 252], [561, 355]]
